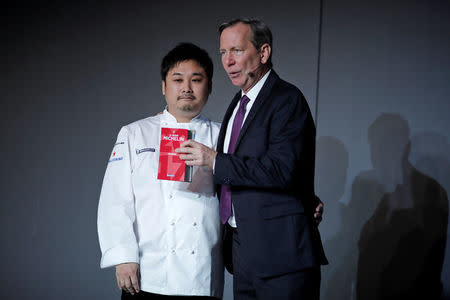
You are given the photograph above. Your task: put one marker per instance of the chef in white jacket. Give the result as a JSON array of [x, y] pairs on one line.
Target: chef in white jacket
[[164, 237]]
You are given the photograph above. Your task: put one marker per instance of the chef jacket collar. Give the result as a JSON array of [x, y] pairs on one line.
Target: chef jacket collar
[[169, 118]]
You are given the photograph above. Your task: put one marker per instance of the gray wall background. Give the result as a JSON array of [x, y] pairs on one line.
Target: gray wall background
[[73, 73]]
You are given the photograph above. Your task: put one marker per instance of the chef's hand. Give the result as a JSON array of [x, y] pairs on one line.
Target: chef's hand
[[196, 154], [128, 277]]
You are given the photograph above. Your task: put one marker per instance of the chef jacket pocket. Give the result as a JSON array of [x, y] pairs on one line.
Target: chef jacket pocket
[[147, 157]]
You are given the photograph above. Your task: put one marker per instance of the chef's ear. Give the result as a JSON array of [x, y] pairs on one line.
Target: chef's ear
[[163, 87]]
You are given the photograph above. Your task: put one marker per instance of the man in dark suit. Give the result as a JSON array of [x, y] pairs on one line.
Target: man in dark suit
[[264, 169]]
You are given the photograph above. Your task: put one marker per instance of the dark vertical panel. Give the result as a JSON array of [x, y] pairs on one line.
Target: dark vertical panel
[[319, 53], [383, 159], [72, 74]]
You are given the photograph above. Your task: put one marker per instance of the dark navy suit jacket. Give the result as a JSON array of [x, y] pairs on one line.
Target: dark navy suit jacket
[[271, 175]]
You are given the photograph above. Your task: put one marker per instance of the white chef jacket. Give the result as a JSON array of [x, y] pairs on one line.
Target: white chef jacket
[[172, 229]]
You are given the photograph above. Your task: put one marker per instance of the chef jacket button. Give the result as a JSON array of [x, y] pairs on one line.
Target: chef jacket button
[[195, 224], [173, 251], [173, 223], [193, 252], [170, 196]]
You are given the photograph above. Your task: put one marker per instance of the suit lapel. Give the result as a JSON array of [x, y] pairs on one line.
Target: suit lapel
[[226, 119], [262, 97]]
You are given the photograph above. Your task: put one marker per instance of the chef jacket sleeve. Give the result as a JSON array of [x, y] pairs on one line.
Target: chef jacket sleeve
[[116, 210]]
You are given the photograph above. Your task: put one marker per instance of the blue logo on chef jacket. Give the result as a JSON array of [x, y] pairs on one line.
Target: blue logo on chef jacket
[[139, 151], [114, 158]]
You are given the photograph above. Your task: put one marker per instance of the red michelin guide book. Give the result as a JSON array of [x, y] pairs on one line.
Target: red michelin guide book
[[171, 167]]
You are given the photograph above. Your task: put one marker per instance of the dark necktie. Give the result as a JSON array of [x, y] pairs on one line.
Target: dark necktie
[[225, 194]]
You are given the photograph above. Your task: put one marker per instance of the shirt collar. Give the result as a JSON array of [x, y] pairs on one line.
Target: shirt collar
[[254, 91]]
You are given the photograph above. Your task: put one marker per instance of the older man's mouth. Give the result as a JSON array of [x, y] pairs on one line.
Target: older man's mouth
[[234, 74]]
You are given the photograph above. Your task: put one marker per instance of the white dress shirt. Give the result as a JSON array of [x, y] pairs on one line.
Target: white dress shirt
[[251, 94], [172, 229]]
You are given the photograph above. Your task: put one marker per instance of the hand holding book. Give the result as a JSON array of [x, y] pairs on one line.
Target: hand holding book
[[196, 154]]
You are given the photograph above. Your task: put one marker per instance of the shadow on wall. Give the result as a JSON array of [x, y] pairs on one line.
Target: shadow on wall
[[332, 161], [390, 243], [340, 276], [430, 154], [331, 177], [402, 244]]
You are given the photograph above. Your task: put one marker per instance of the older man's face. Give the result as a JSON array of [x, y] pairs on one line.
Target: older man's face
[[242, 62]]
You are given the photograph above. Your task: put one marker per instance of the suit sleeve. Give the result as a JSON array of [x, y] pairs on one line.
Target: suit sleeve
[[290, 150], [116, 211]]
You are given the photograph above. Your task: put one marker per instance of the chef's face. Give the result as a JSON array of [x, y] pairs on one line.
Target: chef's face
[[186, 89]]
